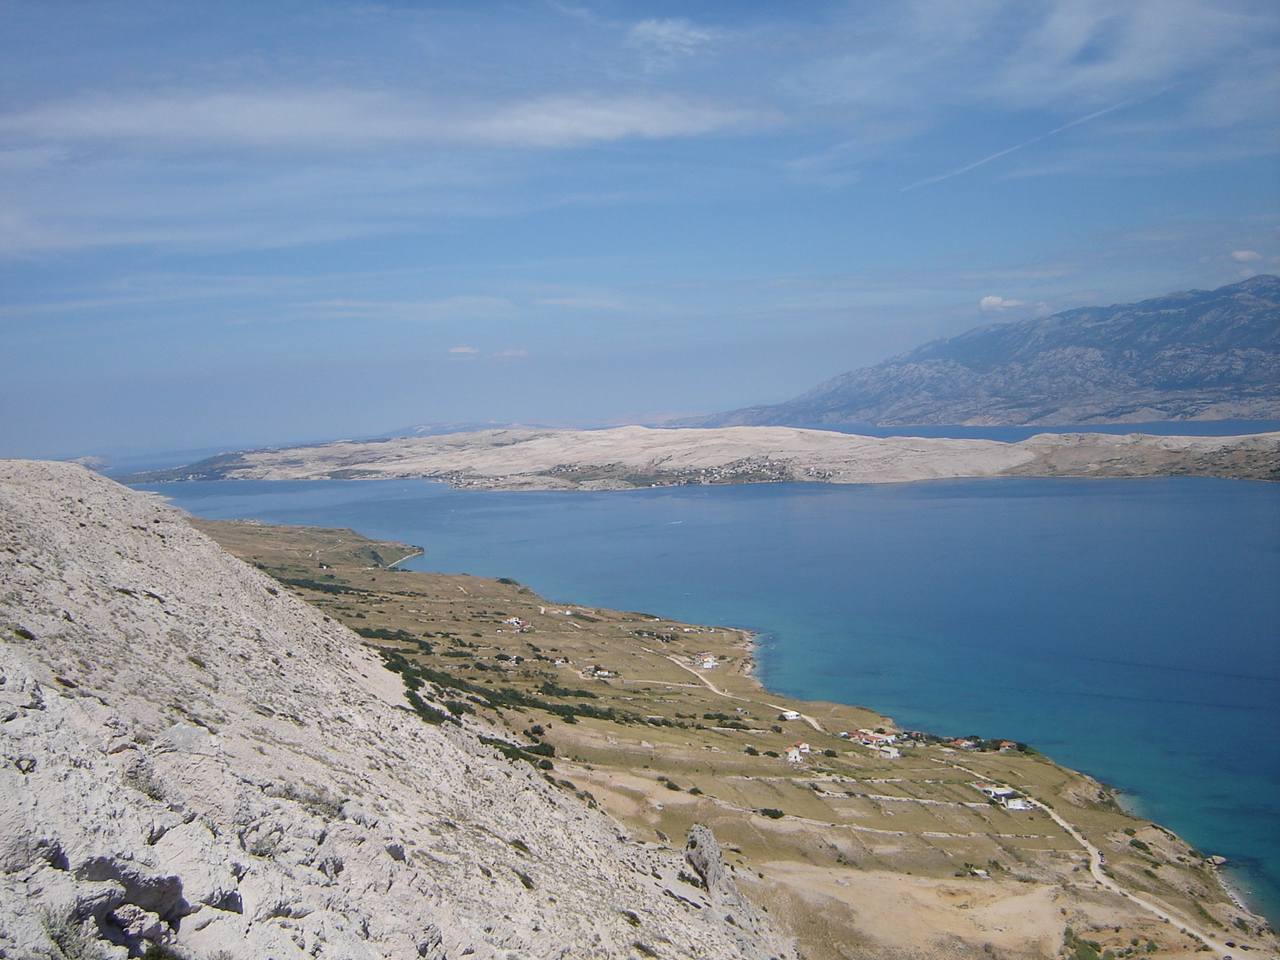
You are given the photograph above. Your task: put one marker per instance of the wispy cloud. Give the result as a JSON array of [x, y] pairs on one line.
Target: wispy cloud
[[1020, 146], [328, 121], [665, 42], [450, 308], [581, 303]]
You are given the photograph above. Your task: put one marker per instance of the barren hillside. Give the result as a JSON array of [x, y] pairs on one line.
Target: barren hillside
[[194, 758], [638, 456]]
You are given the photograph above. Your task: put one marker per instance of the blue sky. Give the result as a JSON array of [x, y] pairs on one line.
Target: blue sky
[[232, 224]]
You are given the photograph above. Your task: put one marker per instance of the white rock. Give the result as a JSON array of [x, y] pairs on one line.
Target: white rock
[[198, 747]]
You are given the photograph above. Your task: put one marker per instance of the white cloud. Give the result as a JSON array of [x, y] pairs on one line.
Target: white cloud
[[512, 353], [996, 304], [464, 350], [665, 41], [450, 308], [1086, 51], [576, 121], [581, 303], [1245, 256], [342, 120]]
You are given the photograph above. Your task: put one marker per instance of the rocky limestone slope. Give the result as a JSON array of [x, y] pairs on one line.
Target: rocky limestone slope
[[190, 757], [639, 456], [1195, 355]]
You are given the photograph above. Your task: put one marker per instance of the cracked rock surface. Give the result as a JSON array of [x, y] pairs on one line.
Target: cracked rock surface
[[191, 757]]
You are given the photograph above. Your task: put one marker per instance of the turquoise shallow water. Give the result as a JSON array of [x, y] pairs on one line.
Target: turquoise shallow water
[[1128, 628]]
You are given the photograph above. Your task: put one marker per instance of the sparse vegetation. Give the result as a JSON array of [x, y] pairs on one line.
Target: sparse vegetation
[[67, 934], [657, 719], [141, 778]]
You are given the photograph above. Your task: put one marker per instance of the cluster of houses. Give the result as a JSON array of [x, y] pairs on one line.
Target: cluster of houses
[[1007, 797], [521, 625], [968, 743], [881, 743], [706, 661]]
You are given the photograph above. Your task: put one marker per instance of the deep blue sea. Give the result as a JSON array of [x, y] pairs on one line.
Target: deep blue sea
[[1127, 628]]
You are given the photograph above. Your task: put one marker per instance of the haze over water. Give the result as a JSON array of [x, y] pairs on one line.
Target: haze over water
[[1125, 628]]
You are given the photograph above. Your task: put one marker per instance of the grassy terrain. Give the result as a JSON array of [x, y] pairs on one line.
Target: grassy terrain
[[615, 706]]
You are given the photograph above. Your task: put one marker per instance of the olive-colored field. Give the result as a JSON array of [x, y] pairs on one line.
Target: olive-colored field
[[857, 853]]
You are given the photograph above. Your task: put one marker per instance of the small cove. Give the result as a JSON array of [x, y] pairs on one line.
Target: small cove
[[1126, 628]]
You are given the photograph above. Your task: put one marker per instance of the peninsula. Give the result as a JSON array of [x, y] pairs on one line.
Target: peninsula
[[625, 457]]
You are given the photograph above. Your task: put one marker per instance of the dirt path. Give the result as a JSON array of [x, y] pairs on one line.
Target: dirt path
[[729, 696], [1096, 861]]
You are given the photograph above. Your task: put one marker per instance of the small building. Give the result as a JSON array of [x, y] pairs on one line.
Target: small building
[[794, 755], [871, 738], [997, 792], [1017, 803], [789, 715], [803, 748], [888, 753]]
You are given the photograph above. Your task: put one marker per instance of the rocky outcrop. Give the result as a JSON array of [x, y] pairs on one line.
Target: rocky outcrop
[[640, 457], [1196, 355], [190, 757]]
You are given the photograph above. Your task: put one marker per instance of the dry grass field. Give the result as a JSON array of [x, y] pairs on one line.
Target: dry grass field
[[858, 853]]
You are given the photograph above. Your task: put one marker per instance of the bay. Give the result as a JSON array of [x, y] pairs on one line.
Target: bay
[[1127, 628]]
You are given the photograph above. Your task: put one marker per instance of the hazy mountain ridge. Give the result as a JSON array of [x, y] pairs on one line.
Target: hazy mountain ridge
[[1195, 355]]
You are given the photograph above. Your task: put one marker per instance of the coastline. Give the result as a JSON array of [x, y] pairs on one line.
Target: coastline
[[507, 553], [843, 824]]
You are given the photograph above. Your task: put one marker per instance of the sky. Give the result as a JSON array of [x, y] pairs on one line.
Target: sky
[[233, 224]]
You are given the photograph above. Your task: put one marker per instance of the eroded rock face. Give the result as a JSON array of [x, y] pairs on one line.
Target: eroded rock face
[[702, 852], [191, 757]]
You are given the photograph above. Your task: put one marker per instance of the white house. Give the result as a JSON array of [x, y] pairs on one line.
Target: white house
[[888, 753], [790, 715], [793, 755], [996, 792], [871, 738]]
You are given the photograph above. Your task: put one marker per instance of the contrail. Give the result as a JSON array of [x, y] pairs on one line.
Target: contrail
[[1043, 136]]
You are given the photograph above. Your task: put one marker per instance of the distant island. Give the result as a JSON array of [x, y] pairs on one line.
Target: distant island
[[1196, 355], [627, 457]]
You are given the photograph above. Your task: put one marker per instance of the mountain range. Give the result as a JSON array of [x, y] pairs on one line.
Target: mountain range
[[1194, 355]]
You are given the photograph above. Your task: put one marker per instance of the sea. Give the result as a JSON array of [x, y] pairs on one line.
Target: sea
[[1127, 628]]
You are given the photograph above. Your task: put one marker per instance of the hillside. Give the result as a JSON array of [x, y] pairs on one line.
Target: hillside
[[1196, 355], [195, 758], [201, 764], [627, 457]]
